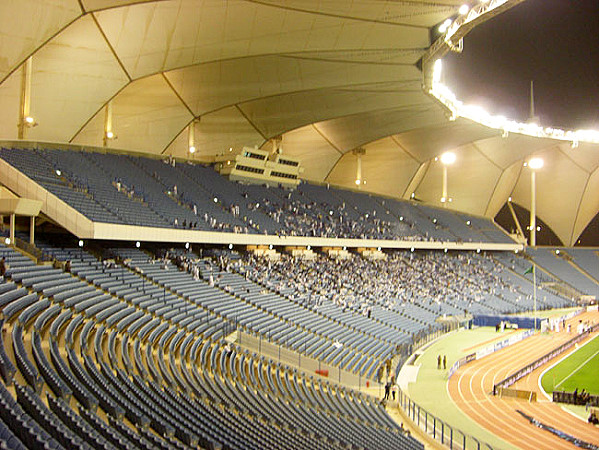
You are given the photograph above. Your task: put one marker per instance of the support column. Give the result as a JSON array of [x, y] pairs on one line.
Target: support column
[[12, 229], [444, 198], [32, 230], [191, 139], [25, 119], [533, 209], [359, 152]]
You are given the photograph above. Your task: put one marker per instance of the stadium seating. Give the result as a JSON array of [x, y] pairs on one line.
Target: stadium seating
[[141, 191], [171, 377]]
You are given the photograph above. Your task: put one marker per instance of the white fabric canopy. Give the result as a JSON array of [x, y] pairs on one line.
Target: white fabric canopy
[[327, 76]]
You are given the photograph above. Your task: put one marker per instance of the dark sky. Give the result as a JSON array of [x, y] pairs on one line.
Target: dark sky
[[553, 42]]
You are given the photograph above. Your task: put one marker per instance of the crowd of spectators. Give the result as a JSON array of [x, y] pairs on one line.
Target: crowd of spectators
[[309, 218], [430, 279]]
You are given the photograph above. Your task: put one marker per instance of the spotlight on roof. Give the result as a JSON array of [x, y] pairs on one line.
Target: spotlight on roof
[[269, 247], [516, 251], [401, 218], [192, 149], [468, 222], [444, 250], [58, 172], [80, 243], [357, 182], [412, 249], [535, 163], [509, 199], [231, 246], [30, 121], [187, 245], [464, 9], [445, 26], [574, 144], [378, 248], [110, 135], [137, 244], [413, 195], [478, 250], [448, 158], [215, 199], [7, 241], [557, 252]]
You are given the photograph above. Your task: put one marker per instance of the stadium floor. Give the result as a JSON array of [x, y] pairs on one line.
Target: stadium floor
[[470, 387]]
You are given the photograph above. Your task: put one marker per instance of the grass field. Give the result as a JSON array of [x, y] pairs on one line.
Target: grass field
[[579, 370]]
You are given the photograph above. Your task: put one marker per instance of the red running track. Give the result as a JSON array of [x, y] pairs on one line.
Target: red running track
[[471, 386]]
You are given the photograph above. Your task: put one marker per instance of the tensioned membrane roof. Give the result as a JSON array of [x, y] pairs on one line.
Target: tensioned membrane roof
[[328, 76]]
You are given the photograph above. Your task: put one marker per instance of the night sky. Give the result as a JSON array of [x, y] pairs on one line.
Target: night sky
[[553, 42]]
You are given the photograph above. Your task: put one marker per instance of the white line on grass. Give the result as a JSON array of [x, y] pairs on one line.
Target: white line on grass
[[577, 369]]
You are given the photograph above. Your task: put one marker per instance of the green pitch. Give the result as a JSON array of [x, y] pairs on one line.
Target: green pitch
[[579, 370]]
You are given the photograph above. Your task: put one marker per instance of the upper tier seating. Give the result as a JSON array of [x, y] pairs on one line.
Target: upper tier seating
[[147, 192], [563, 265]]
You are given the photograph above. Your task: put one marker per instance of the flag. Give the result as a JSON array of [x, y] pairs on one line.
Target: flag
[[529, 270]]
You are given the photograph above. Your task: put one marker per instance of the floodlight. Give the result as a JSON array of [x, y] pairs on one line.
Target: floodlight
[[137, 244], [358, 182], [7, 241], [192, 149], [535, 163], [464, 9], [109, 135], [448, 158], [80, 243], [58, 172], [445, 26]]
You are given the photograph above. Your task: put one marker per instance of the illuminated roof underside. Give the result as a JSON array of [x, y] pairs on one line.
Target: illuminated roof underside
[[328, 76]]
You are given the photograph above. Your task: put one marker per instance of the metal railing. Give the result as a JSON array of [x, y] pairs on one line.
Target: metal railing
[[31, 249], [438, 429]]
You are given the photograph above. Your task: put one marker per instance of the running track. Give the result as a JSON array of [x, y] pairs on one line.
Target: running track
[[471, 385]]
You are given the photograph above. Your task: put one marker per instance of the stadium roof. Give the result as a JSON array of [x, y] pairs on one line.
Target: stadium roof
[[328, 76]]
